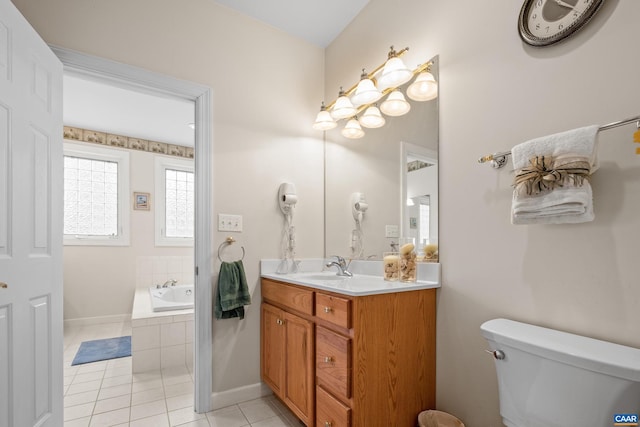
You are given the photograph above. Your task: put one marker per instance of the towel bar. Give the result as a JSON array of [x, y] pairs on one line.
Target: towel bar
[[498, 160]]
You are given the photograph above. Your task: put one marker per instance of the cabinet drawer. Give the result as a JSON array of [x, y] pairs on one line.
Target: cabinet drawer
[[289, 296], [334, 309], [330, 412], [333, 362]]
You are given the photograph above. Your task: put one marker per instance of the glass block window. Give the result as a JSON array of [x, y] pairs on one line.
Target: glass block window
[[175, 201], [179, 203], [90, 197], [96, 194], [424, 219]]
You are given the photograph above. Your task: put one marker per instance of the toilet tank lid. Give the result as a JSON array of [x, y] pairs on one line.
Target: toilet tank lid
[[588, 353]]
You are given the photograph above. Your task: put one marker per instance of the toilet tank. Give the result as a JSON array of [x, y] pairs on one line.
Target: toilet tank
[[550, 378]]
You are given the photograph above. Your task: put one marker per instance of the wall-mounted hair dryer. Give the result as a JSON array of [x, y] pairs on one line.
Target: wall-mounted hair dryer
[[358, 206], [287, 197]]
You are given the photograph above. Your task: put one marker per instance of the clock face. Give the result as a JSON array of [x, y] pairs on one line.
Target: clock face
[[544, 22]]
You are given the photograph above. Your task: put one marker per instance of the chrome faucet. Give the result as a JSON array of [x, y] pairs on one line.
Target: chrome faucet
[[170, 282], [343, 267]]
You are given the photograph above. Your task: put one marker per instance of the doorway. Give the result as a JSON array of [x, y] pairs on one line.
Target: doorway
[[132, 78]]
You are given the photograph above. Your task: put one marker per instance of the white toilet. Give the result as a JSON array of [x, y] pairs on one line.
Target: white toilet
[[548, 378]]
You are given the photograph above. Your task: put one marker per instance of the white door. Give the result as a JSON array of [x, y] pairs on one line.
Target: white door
[[31, 336]]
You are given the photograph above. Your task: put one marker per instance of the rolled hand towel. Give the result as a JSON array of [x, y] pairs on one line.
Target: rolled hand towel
[[552, 178]]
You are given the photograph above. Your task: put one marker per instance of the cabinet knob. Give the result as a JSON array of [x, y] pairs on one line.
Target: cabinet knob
[[327, 424], [328, 359], [3, 285], [280, 321], [327, 309]]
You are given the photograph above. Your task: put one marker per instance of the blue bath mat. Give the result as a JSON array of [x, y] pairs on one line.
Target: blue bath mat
[[110, 348]]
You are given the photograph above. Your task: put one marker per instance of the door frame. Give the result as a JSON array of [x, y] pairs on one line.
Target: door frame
[[133, 78]]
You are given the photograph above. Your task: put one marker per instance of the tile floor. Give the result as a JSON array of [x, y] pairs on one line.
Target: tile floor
[[106, 393]]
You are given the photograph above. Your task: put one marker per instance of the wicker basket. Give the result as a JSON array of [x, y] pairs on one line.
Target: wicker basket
[[434, 418]]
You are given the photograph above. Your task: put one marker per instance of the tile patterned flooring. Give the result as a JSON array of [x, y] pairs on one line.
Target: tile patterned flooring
[[106, 393]]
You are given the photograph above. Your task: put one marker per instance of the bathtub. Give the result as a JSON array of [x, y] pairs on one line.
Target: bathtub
[[178, 297]]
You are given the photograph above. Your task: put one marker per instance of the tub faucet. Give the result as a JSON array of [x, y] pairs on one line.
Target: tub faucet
[[170, 282], [343, 267]]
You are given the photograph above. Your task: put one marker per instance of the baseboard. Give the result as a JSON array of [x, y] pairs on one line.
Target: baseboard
[[83, 321], [238, 395]]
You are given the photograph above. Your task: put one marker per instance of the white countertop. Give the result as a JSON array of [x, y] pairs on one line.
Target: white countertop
[[365, 281]]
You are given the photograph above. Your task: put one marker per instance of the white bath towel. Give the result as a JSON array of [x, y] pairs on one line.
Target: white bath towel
[[570, 203]]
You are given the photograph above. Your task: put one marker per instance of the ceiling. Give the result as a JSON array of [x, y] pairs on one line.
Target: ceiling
[[318, 22], [89, 104]]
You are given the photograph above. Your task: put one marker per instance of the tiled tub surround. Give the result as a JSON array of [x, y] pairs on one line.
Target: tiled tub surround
[[160, 340]]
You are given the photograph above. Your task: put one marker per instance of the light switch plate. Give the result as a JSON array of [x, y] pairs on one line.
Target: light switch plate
[[229, 222], [391, 231]]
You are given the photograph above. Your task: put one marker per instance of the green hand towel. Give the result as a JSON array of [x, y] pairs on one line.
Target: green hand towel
[[233, 292]]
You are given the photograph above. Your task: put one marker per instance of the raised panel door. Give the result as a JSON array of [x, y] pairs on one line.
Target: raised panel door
[[300, 386], [272, 348]]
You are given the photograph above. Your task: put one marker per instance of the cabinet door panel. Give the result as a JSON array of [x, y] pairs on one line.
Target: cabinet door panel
[[273, 348], [300, 373]]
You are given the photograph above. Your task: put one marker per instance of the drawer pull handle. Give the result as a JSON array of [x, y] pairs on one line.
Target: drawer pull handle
[[327, 424], [280, 321], [328, 310], [328, 359]]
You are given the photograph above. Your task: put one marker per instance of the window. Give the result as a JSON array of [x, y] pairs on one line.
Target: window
[[424, 219], [96, 186], [174, 202]]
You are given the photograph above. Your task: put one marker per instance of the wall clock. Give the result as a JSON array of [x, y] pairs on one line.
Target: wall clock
[[545, 22]]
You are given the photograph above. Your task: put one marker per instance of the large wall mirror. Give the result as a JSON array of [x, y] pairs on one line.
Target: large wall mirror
[[394, 170]]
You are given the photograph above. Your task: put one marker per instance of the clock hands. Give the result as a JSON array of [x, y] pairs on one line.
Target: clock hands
[[574, 7], [561, 3]]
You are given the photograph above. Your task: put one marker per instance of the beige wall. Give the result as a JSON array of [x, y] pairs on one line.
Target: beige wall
[[266, 86], [99, 281], [495, 93]]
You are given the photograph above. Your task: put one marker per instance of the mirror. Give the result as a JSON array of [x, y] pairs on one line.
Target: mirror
[[377, 167]]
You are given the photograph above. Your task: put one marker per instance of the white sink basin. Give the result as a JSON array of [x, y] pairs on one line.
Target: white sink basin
[[330, 276]]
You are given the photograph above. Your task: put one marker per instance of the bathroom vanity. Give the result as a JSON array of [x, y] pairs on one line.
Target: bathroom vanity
[[349, 352]]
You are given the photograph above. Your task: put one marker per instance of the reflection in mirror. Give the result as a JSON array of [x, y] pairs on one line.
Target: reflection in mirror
[[420, 190], [376, 166]]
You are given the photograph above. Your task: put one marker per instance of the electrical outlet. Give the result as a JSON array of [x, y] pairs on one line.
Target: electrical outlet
[[228, 222], [391, 231]]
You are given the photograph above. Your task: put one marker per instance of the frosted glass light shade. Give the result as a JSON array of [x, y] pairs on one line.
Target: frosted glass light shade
[[343, 108], [395, 104], [372, 118], [366, 93], [324, 121], [424, 88], [352, 130], [394, 74]]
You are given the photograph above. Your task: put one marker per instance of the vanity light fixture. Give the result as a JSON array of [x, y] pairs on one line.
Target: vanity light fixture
[[395, 104], [352, 130], [394, 73], [324, 121], [366, 92], [343, 107], [385, 80], [372, 118], [423, 88]]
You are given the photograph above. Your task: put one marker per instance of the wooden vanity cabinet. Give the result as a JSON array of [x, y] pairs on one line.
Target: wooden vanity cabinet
[[374, 355], [287, 356]]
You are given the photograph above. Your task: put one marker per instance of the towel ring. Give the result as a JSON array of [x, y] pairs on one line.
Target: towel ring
[[228, 241]]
